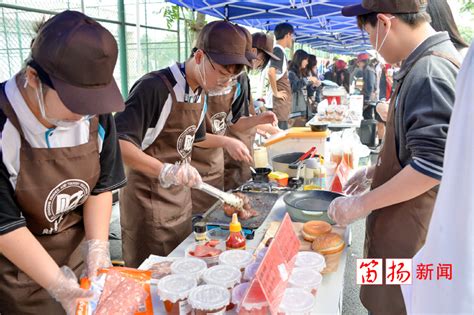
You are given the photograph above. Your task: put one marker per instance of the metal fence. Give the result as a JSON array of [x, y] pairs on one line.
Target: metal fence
[[149, 46]]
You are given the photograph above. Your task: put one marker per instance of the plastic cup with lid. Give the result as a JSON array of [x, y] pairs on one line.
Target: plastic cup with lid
[[296, 302], [209, 298], [237, 258], [310, 260], [174, 291], [251, 270], [254, 307], [224, 276], [306, 279], [190, 267], [261, 254]]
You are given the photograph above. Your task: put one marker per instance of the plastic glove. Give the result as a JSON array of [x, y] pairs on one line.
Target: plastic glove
[[97, 256], [65, 289], [238, 150], [179, 174], [345, 210], [360, 182]]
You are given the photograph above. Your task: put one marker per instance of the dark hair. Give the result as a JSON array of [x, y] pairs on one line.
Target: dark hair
[[412, 19], [312, 62], [297, 60], [282, 29], [442, 20], [265, 61]]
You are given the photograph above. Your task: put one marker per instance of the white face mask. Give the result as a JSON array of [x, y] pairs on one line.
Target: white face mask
[[377, 48], [217, 91], [54, 121]]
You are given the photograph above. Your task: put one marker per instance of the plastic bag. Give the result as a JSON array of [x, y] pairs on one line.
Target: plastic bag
[[118, 288]]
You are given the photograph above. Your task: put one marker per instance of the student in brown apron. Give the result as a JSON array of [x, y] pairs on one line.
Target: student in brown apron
[[237, 173], [55, 193], [278, 74], [163, 117], [404, 186], [234, 123]]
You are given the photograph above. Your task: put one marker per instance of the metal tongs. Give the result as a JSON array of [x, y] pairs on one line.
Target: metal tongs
[[227, 198]]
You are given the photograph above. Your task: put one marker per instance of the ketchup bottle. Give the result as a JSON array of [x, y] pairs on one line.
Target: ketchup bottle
[[236, 239]]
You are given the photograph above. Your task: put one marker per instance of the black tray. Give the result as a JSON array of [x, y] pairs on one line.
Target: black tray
[[262, 202]]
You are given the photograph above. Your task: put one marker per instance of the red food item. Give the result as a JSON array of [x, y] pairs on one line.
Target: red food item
[[206, 250], [121, 295], [213, 243]]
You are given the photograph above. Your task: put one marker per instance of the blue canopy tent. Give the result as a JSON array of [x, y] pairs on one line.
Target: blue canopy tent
[[318, 23]]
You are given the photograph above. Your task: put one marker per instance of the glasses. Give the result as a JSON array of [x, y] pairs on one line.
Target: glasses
[[223, 80]]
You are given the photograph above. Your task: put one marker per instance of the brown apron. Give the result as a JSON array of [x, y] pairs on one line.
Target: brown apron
[[210, 161], [281, 108], [236, 173], [51, 184], [155, 220], [396, 231]]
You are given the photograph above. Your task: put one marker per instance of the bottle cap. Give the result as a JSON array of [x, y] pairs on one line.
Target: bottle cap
[[235, 225]]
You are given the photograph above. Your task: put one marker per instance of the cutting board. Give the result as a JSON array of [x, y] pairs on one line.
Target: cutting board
[[262, 202]]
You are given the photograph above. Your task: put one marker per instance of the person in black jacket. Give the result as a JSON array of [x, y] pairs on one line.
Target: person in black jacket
[[299, 82]]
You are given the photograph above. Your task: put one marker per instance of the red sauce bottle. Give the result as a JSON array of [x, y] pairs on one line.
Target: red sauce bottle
[[236, 239]]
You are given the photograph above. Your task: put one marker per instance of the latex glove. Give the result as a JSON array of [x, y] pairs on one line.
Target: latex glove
[[179, 174], [97, 256], [360, 182], [382, 110], [65, 289], [345, 210], [268, 117], [238, 150]]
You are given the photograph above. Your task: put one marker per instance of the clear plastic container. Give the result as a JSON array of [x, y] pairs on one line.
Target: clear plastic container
[[310, 260], [296, 302], [174, 291], [209, 299], [190, 267], [254, 308], [224, 276], [306, 279], [261, 254], [237, 258], [251, 270], [210, 261]]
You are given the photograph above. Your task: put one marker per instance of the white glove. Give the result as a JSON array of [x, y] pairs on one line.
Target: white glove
[[345, 210], [65, 289], [97, 256], [179, 174], [360, 182]]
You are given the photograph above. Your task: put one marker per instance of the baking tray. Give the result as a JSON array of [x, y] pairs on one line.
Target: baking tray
[[262, 202]]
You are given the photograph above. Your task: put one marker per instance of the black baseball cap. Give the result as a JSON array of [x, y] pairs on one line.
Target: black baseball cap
[[385, 6], [78, 55]]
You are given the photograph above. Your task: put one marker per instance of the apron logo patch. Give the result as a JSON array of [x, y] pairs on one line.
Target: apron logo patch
[[219, 124], [185, 141], [64, 198]]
